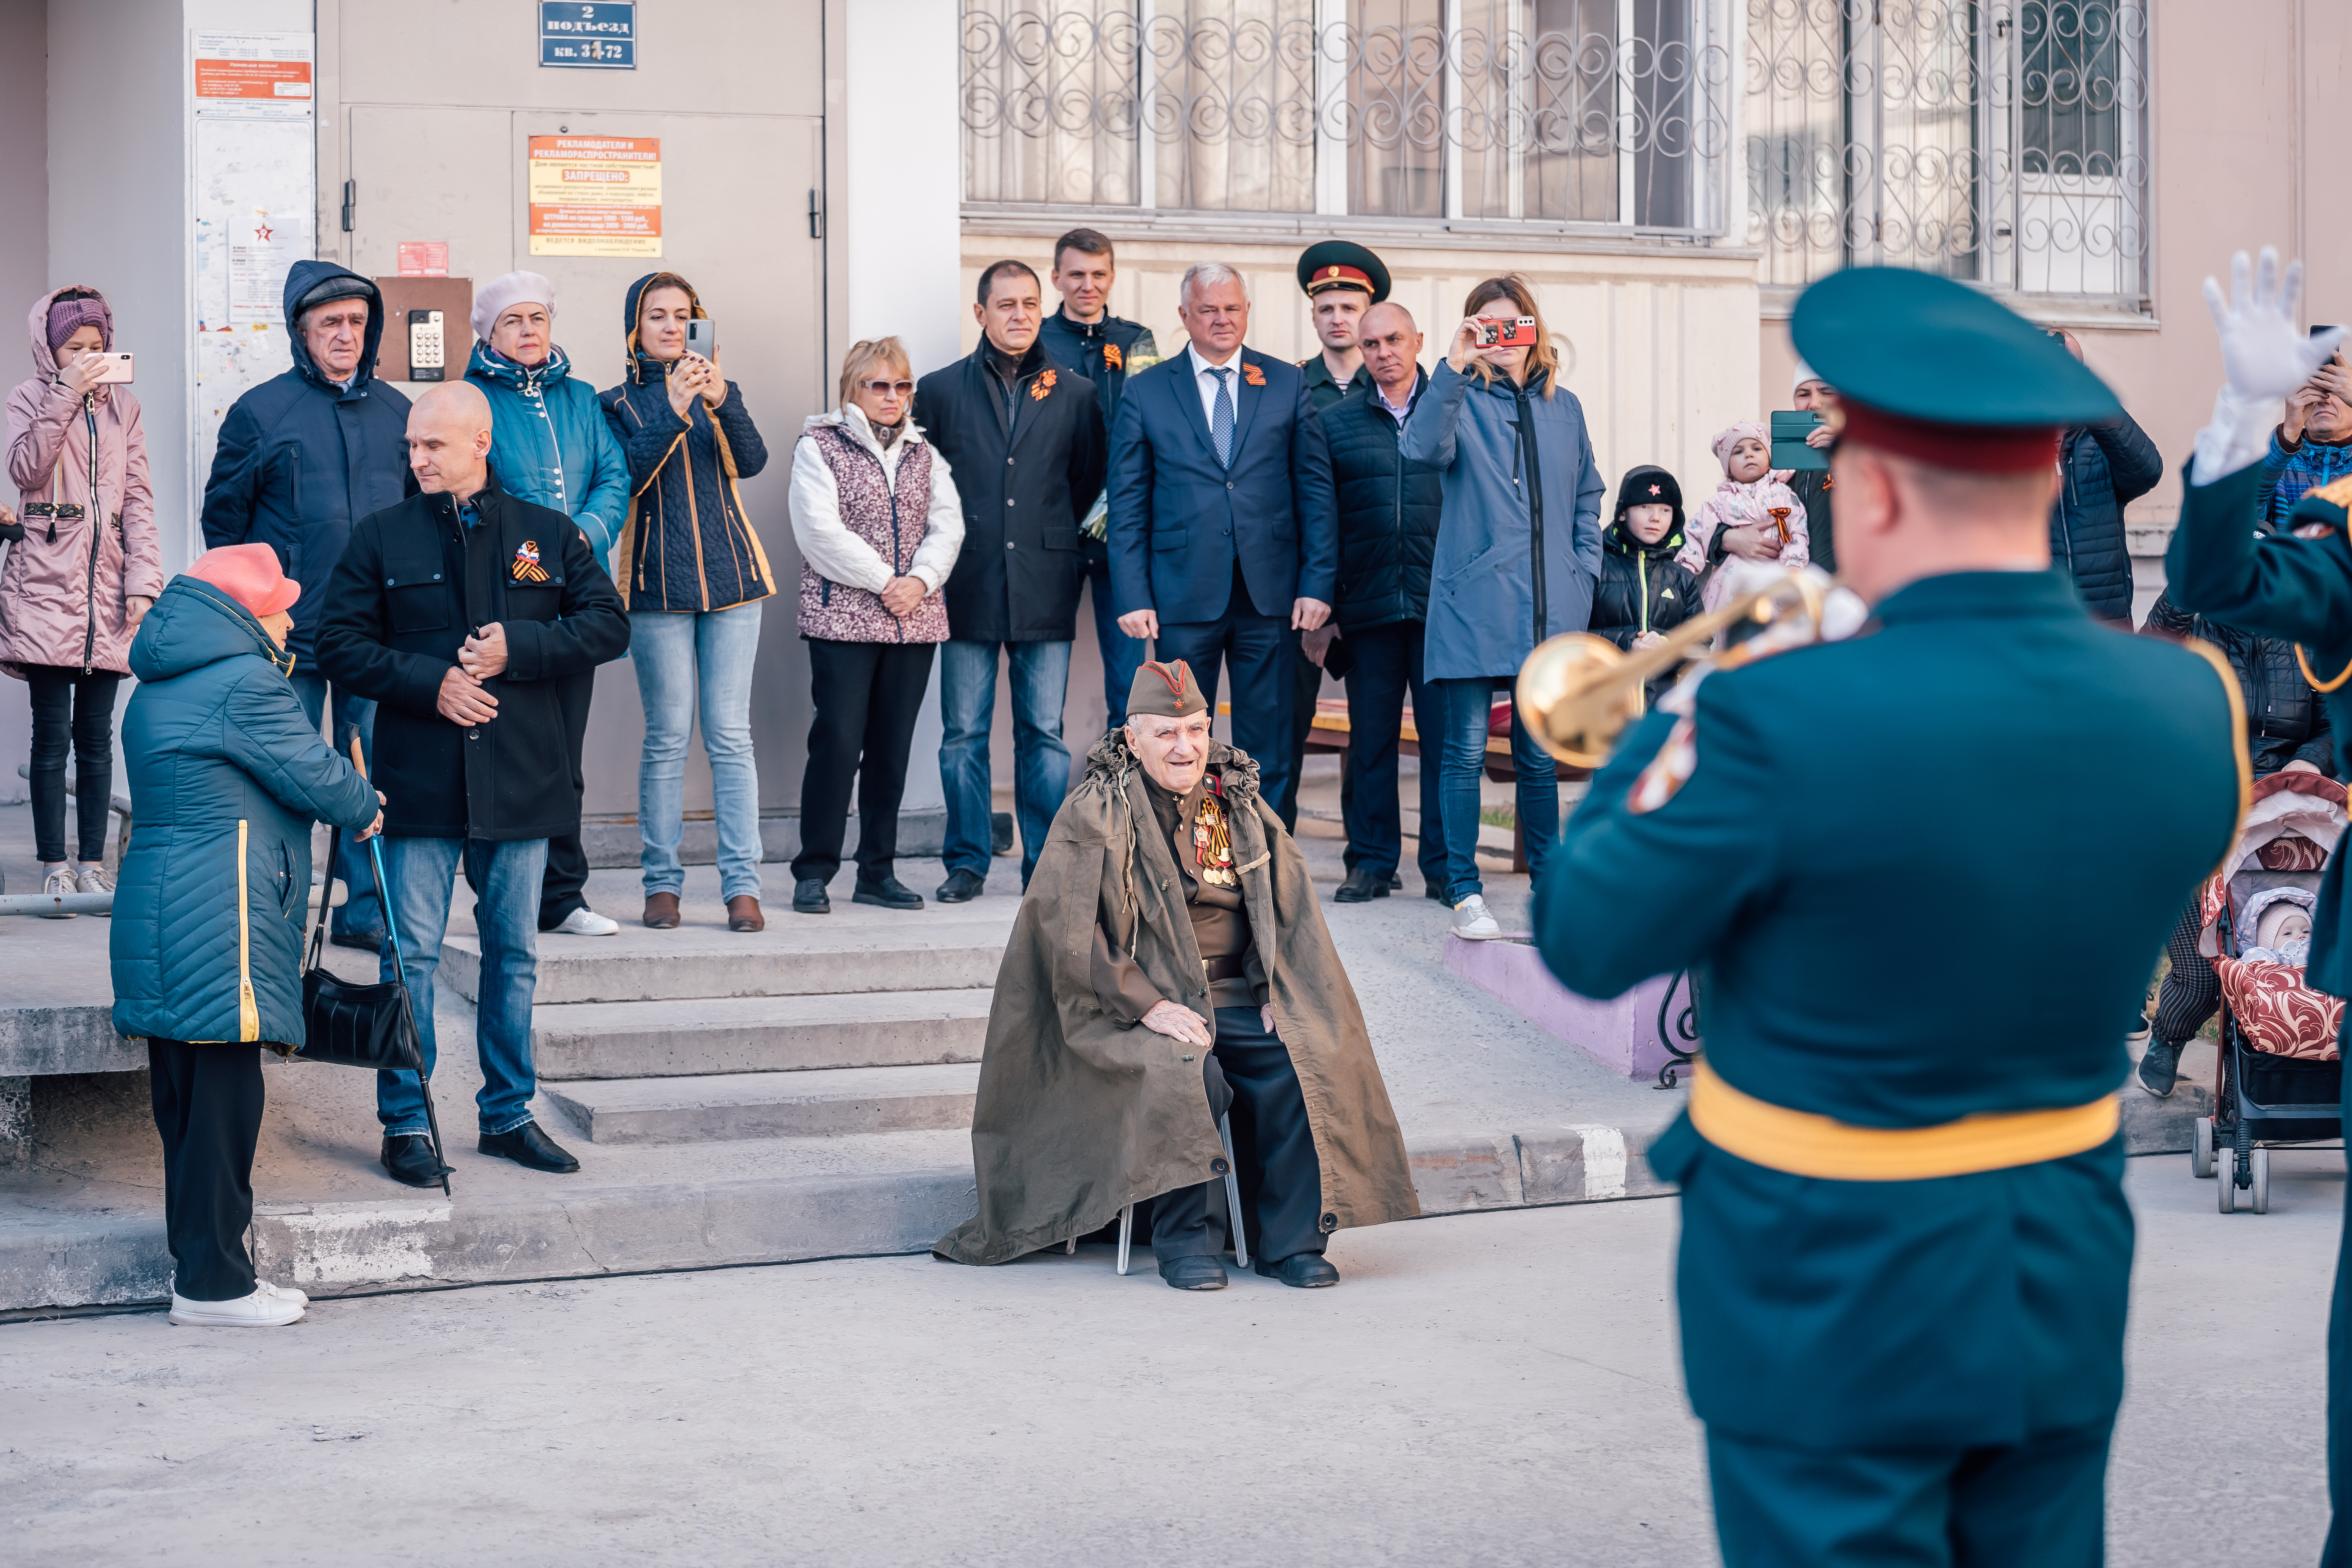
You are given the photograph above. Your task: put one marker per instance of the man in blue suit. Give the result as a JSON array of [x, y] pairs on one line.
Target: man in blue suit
[[1225, 543]]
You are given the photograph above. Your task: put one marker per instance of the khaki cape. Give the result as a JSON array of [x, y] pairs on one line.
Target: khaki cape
[[1078, 1117]]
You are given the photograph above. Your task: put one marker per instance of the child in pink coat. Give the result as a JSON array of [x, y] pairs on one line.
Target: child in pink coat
[[1752, 528]]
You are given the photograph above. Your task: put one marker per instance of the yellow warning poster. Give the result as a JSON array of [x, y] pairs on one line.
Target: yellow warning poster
[[595, 196]]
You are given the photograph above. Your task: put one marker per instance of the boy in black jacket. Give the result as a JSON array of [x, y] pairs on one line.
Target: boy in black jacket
[[1641, 592]]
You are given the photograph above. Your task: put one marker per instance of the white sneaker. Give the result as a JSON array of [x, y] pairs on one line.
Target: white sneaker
[[1471, 922], [283, 1292], [59, 884], [585, 921], [94, 879], [265, 1308]]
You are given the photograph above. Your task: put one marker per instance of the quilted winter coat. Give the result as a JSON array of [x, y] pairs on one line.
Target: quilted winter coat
[[226, 777], [64, 592], [551, 443]]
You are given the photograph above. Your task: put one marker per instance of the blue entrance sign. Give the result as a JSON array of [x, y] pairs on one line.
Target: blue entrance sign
[[588, 37]]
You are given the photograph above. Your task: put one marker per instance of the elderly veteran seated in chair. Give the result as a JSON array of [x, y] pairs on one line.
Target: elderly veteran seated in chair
[[1170, 964]]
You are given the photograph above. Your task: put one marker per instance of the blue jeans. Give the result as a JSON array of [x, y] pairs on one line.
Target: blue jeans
[[362, 910], [1387, 665], [679, 658], [1040, 763], [504, 876], [1467, 703], [1122, 654]]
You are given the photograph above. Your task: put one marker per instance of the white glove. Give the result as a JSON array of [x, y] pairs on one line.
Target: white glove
[[2264, 356]]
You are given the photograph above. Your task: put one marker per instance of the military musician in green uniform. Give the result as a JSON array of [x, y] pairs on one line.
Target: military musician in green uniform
[[2293, 582], [1906, 1249]]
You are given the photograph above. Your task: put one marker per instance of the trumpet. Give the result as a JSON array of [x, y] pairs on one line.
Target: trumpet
[[1576, 692]]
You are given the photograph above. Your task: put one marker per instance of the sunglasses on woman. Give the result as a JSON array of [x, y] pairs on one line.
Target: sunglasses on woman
[[884, 388]]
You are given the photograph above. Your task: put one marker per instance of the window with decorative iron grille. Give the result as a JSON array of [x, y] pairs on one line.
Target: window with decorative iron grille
[[1568, 113], [2003, 143]]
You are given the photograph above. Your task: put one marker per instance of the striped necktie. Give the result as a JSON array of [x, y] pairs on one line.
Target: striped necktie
[[1220, 423]]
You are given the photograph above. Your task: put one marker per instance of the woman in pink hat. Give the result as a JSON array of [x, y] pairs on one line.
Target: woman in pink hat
[[228, 777]]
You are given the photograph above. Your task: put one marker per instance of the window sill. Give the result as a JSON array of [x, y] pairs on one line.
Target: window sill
[[1273, 228], [2087, 313]]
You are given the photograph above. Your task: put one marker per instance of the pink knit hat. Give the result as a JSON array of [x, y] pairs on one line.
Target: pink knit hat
[[1726, 441], [250, 574]]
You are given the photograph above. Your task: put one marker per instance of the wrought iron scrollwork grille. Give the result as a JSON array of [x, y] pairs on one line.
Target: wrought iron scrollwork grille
[[1563, 111], [2003, 143]]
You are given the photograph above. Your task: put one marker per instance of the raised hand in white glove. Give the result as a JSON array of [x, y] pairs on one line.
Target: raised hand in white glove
[[2264, 356], [2264, 353]]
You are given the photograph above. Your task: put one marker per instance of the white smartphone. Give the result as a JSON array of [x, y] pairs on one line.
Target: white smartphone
[[702, 337], [116, 370]]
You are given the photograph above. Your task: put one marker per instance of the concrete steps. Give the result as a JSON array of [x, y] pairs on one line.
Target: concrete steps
[[810, 957], [820, 1104], [757, 1034]]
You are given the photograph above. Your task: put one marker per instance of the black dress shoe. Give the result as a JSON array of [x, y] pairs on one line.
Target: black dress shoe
[[1362, 887], [809, 897], [408, 1160], [961, 887], [1306, 1270], [529, 1147], [1193, 1273], [889, 892], [1433, 891], [1396, 881], [365, 941]]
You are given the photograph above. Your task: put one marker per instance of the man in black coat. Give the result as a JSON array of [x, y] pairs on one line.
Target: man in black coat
[[458, 612], [2102, 468], [1388, 530], [1084, 336], [2286, 726], [1024, 439]]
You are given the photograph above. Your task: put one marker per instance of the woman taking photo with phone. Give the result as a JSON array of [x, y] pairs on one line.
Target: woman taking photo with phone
[[1518, 549], [692, 573], [81, 579]]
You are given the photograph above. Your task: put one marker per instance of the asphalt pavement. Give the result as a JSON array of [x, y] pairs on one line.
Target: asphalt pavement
[[1496, 1388]]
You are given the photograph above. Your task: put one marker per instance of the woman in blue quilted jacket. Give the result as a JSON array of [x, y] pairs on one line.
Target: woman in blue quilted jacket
[[227, 776]]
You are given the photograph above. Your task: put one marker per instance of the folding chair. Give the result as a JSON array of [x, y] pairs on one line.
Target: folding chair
[[1233, 1206]]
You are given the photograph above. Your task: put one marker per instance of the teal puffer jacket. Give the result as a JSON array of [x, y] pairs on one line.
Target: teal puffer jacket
[[226, 779], [552, 445]]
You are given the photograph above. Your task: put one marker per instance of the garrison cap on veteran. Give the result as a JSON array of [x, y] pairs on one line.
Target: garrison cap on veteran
[[1931, 369], [1165, 691], [1343, 264]]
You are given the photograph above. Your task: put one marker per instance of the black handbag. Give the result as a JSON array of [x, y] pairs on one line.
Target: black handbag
[[371, 1027]]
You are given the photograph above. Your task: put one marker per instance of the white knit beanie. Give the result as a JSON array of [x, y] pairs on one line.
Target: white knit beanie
[[493, 298], [1804, 374]]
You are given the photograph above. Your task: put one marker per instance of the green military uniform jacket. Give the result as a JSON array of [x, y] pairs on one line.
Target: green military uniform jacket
[[2025, 800], [1321, 390], [2277, 585]]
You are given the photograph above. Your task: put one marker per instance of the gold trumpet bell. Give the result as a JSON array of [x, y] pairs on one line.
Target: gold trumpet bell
[[1566, 699]]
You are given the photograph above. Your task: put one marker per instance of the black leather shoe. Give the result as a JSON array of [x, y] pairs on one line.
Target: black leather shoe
[[529, 1147], [1306, 1270], [809, 897], [1193, 1273], [1362, 887], [889, 892], [408, 1160], [1433, 891], [961, 887], [1396, 881], [365, 941]]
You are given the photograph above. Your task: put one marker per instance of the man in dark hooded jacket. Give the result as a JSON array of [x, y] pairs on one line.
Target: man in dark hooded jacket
[[301, 458], [2102, 469]]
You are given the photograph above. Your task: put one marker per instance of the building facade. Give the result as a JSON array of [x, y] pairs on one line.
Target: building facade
[[1670, 174]]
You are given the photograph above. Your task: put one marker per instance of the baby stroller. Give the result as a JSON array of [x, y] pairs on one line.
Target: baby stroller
[[2280, 1070]]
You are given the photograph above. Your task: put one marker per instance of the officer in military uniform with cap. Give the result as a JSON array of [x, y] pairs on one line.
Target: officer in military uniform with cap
[[1906, 1249], [1341, 280], [2294, 583]]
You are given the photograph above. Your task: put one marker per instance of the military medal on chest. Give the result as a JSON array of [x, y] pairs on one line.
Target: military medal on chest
[[1213, 842]]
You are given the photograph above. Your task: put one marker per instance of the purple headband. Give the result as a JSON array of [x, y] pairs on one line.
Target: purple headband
[[68, 317]]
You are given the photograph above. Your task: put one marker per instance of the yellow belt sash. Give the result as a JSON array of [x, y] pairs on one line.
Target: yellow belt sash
[[1805, 1144]]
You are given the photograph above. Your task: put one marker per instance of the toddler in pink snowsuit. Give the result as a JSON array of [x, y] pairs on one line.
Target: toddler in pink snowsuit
[[1751, 496]]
